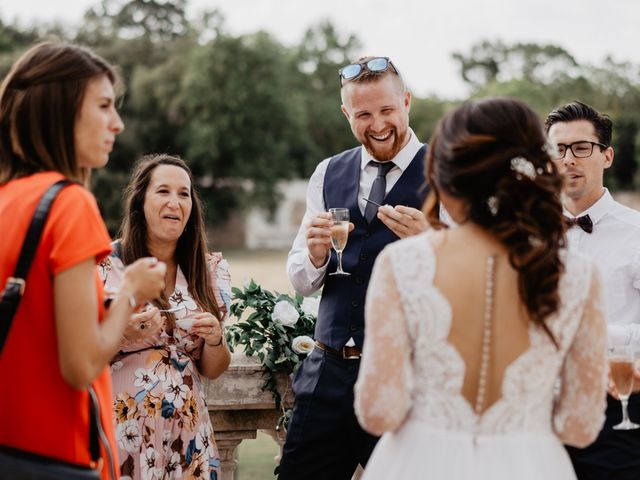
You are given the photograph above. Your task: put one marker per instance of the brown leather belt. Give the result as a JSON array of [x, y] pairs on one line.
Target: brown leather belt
[[347, 353]]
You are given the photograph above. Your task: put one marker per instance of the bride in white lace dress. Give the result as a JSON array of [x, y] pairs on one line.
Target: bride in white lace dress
[[486, 344]]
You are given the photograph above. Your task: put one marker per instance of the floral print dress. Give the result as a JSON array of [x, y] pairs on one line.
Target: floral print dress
[[162, 423]]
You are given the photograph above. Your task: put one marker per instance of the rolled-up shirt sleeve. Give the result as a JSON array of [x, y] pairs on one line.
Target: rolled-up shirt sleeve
[[303, 275]]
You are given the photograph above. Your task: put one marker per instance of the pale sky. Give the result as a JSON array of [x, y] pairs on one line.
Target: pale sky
[[418, 35]]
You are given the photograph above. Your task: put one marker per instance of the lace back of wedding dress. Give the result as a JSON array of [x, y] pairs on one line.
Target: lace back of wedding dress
[[411, 378], [421, 374]]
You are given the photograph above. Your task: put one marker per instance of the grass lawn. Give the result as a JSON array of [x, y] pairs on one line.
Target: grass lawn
[[255, 458], [266, 267]]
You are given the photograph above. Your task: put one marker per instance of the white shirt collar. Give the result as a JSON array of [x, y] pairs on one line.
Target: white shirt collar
[[598, 210], [402, 159]]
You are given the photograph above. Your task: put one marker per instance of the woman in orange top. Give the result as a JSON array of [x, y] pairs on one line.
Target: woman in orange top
[[58, 120]]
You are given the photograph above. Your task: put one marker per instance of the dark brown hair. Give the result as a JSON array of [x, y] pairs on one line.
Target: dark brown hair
[[577, 110], [471, 157], [191, 250], [39, 101]]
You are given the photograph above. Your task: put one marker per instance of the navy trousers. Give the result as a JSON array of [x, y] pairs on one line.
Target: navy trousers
[[324, 439], [615, 455]]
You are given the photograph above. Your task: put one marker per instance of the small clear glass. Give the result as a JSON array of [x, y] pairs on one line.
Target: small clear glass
[[339, 235], [622, 367]]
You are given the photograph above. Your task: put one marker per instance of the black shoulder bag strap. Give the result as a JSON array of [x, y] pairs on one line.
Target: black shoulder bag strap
[[12, 295], [14, 288]]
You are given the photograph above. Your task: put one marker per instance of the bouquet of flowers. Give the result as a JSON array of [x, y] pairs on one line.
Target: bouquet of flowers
[[279, 329]]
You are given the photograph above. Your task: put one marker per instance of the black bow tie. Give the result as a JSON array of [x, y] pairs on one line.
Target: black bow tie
[[584, 222]]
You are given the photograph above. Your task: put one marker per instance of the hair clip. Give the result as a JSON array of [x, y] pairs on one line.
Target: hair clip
[[493, 204], [522, 166], [534, 241], [550, 148]]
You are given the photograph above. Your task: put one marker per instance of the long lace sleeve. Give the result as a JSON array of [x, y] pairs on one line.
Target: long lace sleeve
[[382, 392], [579, 410]]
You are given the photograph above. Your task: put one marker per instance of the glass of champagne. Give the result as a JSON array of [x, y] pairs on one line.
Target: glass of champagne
[[339, 234], [621, 366]]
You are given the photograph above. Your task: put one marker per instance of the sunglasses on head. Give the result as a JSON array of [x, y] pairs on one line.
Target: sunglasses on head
[[354, 70]]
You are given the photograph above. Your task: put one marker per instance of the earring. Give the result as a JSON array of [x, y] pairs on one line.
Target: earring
[[493, 204]]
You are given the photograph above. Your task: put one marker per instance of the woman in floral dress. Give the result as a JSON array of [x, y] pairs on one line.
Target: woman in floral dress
[[162, 423]]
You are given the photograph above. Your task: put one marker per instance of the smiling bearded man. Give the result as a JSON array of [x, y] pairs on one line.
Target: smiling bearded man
[[324, 439], [385, 134]]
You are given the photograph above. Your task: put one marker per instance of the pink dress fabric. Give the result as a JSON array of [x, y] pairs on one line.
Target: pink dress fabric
[[162, 424]]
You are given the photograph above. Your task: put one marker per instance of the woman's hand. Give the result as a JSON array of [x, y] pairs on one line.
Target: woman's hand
[[144, 279], [207, 327], [215, 359], [144, 324]]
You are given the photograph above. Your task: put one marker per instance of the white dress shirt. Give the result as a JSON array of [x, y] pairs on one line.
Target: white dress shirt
[[614, 246], [303, 275]]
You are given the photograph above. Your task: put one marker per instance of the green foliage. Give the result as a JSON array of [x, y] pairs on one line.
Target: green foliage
[[495, 61], [319, 57], [425, 113], [13, 41], [547, 76], [109, 187], [247, 111], [260, 335], [243, 113]]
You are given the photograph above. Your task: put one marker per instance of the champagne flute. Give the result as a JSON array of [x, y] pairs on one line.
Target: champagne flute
[[621, 366], [339, 235]]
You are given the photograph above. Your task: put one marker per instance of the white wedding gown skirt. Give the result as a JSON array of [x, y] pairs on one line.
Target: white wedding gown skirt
[[418, 451]]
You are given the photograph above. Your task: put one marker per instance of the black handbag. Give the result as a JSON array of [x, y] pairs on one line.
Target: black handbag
[[18, 464]]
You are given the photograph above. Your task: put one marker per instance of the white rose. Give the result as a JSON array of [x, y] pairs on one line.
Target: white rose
[[285, 314], [302, 344], [310, 306]]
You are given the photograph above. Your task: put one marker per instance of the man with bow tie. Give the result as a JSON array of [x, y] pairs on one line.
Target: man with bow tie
[[608, 233]]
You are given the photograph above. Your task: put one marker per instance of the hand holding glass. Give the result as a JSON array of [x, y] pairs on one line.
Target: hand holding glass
[[339, 234], [621, 366]]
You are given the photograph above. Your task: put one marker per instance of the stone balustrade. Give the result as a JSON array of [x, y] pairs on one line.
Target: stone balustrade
[[239, 408]]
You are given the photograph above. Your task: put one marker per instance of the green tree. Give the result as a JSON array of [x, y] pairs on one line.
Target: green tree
[[245, 118], [488, 62], [13, 41], [321, 53], [546, 76], [148, 40], [425, 114]]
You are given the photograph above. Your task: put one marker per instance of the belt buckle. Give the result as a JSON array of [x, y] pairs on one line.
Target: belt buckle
[[349, 357]]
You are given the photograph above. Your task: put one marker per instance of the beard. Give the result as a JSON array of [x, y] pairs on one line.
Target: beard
[[386, 152]]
